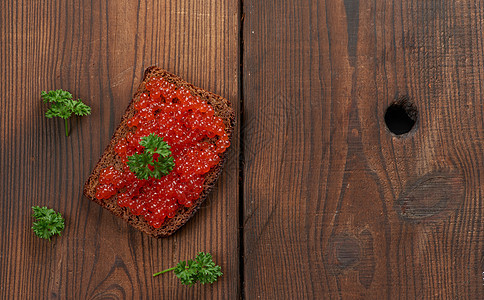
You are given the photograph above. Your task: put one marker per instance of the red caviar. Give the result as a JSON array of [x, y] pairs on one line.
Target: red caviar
[[197, 138]]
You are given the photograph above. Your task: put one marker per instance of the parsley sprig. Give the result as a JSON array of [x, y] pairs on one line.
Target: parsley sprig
[[63, 106], [156, 160], [202, 269], [48, 223]]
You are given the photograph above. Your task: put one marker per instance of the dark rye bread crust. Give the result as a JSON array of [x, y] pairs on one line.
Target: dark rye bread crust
[[222, 108]]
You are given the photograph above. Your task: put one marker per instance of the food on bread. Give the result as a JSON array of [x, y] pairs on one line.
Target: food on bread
[[195, 124]]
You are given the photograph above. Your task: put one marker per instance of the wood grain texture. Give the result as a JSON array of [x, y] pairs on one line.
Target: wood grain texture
[[335, 206], [98, 50]]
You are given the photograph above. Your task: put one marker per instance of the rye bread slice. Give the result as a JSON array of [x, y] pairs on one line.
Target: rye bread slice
[[222, 108]]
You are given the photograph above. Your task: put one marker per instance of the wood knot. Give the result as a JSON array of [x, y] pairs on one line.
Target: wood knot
[[347, 251], [430, 196], [352, 253]]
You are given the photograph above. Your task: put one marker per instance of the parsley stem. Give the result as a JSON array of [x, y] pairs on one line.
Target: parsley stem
[[67, 130], [164, 271]]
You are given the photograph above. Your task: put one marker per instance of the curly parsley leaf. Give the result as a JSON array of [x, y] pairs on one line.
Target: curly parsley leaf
[[187, 271], [202, 269], [147, 164], [208, 271], [63, 106], [48, 222]]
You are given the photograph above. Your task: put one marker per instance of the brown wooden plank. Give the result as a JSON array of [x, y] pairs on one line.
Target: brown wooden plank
[[336, 206], [98, 50]]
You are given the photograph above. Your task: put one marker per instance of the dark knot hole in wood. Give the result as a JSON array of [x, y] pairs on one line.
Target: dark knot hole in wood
[[401, 116]]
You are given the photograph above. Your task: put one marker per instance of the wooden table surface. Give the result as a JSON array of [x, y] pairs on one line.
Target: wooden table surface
[[318, 200]]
